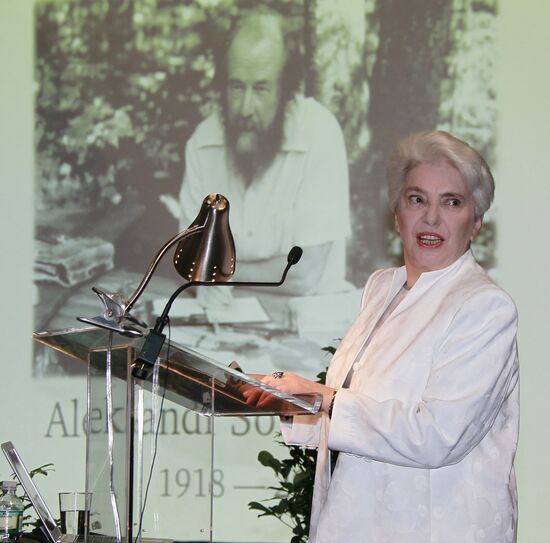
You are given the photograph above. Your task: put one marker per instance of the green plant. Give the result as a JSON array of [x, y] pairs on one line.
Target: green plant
[[29, 519], [292, 501], [294, 492]]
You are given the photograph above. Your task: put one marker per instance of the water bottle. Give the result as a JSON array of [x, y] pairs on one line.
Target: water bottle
[[11, 513]]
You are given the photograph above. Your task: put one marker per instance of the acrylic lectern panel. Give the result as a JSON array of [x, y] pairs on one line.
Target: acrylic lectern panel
[[124, 417], [146, 480], [186, 375]]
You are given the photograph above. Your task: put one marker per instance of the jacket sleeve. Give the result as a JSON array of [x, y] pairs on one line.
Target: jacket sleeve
[[303, 430], [473, 372]]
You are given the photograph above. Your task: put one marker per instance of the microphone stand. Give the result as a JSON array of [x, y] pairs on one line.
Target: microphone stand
[[152, 346]]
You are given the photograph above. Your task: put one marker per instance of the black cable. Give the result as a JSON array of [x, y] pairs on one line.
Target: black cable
[[155, 448]]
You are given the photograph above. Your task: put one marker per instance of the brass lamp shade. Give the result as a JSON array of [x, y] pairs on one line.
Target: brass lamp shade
[[209, 255]]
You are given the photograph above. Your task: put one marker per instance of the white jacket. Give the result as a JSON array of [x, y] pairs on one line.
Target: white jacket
[[428, 427]]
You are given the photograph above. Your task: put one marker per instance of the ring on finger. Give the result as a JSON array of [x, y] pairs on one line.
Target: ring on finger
[[278, 374]]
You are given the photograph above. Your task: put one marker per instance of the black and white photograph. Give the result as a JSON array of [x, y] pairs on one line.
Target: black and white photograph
[[141, 113]]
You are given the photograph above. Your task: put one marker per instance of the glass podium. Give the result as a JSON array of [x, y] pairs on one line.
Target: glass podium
[[125, 417]]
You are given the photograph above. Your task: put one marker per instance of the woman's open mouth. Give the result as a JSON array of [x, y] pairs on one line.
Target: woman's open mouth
[[429, 240]]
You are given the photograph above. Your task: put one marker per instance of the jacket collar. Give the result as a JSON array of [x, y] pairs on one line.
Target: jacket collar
[[426, 279]]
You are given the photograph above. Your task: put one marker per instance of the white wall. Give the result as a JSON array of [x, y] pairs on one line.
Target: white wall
[[523, 178], [23, 397]]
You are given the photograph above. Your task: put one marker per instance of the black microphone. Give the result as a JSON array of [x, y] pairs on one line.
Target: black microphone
[[294, 255], [155, 339]]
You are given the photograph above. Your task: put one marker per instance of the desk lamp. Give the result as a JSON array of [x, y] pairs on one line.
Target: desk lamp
[[205, 252]]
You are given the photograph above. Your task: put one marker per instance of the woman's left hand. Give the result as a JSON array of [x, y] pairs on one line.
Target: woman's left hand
[[291, 383]]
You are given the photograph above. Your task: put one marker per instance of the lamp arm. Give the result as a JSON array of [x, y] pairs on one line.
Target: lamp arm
[[155, 262]]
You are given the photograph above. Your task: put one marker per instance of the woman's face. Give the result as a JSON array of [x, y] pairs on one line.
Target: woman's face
[[435, 218]]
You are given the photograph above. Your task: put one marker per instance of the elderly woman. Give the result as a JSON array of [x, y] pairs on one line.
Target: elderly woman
[[421, 403]]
